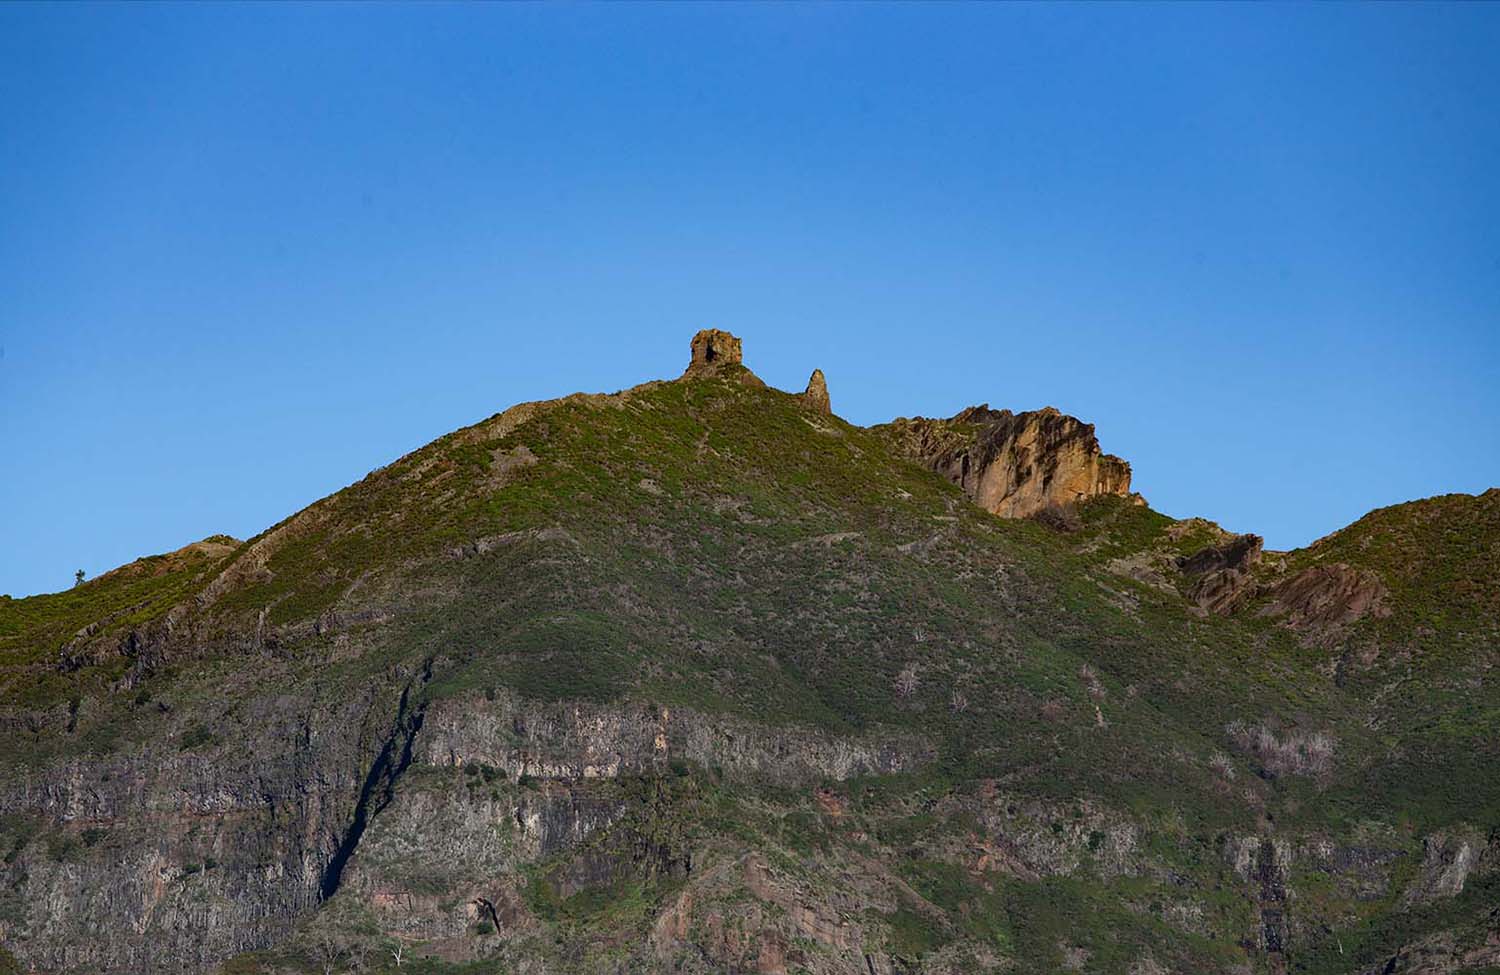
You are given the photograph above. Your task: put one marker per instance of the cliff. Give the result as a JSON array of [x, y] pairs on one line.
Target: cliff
[[1015, 465]]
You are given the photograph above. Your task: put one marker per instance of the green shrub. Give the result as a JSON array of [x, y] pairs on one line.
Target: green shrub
[[198, 736]]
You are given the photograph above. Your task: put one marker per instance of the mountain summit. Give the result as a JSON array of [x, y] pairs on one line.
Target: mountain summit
[[699, 677]]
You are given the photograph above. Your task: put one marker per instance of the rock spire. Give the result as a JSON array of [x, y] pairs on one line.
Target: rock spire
[[816, 394]]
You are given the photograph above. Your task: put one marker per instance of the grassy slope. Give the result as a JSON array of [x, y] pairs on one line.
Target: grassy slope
[[35, 629], [1424, 672]]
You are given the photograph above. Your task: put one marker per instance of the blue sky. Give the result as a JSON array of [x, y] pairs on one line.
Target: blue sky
[[248, 253]]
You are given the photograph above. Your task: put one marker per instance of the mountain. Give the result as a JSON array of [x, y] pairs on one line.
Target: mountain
[[698, 677]]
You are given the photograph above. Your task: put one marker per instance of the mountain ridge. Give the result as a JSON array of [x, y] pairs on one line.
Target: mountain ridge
[[616, 643]]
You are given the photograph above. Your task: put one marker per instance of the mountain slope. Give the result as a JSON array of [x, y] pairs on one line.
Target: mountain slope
[[699, 677]]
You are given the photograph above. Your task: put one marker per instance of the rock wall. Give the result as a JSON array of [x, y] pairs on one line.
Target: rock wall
[[173, 856], [1320, 600], [583, 741], [1222, 573], [176, 855], [435, 820], [1015, 465]]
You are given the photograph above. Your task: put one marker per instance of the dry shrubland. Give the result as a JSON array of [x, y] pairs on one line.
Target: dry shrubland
[[1298, 753]]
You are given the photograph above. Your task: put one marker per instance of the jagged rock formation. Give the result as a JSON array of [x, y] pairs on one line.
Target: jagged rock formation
[[716, 353], [713, 349], [591, 741], [1224, 578], [816, 394], [192, 848], [1322, 599], [1015, 465], [1234, 552]]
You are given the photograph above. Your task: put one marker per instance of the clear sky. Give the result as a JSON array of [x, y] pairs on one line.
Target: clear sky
[[248, 253]]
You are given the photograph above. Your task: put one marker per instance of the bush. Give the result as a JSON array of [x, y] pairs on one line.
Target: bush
[[1299, 753], [197, 736], [1222, 765], [63, 847], [907, 681]]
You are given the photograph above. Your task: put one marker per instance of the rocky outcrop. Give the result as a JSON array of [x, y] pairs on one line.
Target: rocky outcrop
[[170, 858], [1470, 939], [716, 353], [815, 397], [1222, 573], [1015, 465], [599, 741], [567, 798], [714, 349], [1322, 600], [448, 851], [1236, 552], [1447, 860]]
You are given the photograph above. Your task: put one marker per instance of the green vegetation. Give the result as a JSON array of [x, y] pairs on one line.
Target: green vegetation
[[1096, 748]]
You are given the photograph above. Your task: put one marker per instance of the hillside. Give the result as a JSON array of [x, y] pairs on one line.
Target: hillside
[[699, 677]]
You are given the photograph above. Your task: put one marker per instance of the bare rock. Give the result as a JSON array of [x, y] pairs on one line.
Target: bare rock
[[586, 741], [1060, 517], [713, 349], [1321, 600], [1448, 857], [1222, 592], [1224, 581], [1015, 465], [1236, 552], [816, 395], [717, 354], [1439, 954]]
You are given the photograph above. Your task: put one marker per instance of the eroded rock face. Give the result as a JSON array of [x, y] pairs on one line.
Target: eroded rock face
[[816, 394], [1321, 600], [1447, 860], [1236, 552], [713, 348], [1224, 580], [716, 353], [581, 796], [588, 741], [173, 857], [1015, 464]]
